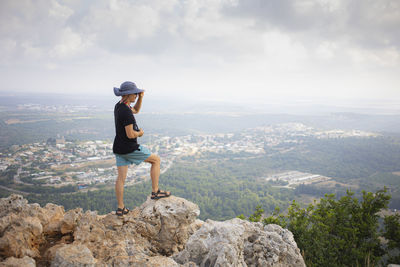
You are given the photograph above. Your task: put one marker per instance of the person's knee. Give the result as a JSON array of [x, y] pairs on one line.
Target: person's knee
[[157, 159], [153, 159]]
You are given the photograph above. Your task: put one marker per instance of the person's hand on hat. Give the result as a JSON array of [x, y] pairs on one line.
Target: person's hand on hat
[[141, 94]]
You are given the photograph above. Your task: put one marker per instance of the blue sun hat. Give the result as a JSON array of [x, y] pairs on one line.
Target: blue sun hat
[[127, 88]]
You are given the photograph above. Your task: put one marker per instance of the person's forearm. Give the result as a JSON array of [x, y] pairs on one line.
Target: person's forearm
[[132, 134], [138, 104]]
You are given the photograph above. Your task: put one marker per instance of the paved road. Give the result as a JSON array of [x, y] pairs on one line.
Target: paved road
[[17, 179], [16, 176]]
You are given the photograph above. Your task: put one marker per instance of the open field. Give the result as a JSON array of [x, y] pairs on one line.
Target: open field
[[84, 165], [294, 178], [333, 183]]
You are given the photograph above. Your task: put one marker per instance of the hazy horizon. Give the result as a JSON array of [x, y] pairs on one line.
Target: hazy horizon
[[154, 103]]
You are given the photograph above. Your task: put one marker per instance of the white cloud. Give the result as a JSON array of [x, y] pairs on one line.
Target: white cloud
[[8, 47], [125, 19], [326, 50], [388, 57], [283, 52], [69, 44], [60, 11]]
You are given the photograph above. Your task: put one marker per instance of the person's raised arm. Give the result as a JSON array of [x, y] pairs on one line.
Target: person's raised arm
[[138, 104]]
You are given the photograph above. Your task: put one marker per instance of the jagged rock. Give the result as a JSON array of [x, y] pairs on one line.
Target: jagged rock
[[156, 227], [196, 225], [241, 243], [168, 222], [19, 262], [105, 241], [51, 252], [13, 204], [69, 220], [215, 244], [274, 246], [21, 236], [49, 216], [141, 261], [23, 226], [146, 236], [73, 256], [52, 220]]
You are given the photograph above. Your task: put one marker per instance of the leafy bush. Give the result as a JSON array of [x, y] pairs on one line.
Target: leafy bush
[[339, 232]]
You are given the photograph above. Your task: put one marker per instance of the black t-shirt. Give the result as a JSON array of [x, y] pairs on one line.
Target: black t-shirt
[[123, 116]]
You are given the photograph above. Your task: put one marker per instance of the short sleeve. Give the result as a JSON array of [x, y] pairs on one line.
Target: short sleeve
[[127, 117]]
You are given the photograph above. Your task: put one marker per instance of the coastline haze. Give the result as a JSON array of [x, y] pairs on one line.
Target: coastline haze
[[154, 103]]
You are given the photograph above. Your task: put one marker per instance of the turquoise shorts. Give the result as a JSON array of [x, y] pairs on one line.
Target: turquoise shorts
[[137, 156]]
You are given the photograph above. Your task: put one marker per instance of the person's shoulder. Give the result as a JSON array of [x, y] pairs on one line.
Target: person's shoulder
[[123, 109], [117, 105], [120, 106], [118, 109]]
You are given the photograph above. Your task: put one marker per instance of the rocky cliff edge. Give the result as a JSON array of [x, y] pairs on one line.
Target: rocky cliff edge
[[158, 233]]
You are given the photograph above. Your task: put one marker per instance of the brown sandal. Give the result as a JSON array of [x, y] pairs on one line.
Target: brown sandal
[[121, 212], [159, 194]]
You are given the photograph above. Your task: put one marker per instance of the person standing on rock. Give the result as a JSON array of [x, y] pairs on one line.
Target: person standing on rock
[[126, 148]]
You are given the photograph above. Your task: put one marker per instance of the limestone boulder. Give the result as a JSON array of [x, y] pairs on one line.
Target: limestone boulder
[[12, 204], [73, 256], [18, 262], [52, 218], [215, 244], [241, 243], [50, 253], [144, 261], [270, 245], [20, 236], [156, 228], [23, 226], [167, 222], [196, 225], [69, 221], [105, 241]]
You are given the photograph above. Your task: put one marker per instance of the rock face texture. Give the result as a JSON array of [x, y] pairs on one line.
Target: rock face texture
[[158, 233], [241, 243]]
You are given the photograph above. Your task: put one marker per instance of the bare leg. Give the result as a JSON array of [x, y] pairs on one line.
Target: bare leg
[[119, 185], [154, 171]]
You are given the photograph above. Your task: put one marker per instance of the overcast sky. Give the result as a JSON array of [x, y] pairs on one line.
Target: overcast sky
[[250, 50]]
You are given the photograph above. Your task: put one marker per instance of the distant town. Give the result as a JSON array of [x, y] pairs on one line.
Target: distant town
[[57, 162]]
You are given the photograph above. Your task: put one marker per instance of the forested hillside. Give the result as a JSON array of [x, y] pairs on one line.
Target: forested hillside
[[342, 232], [226, 185]]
